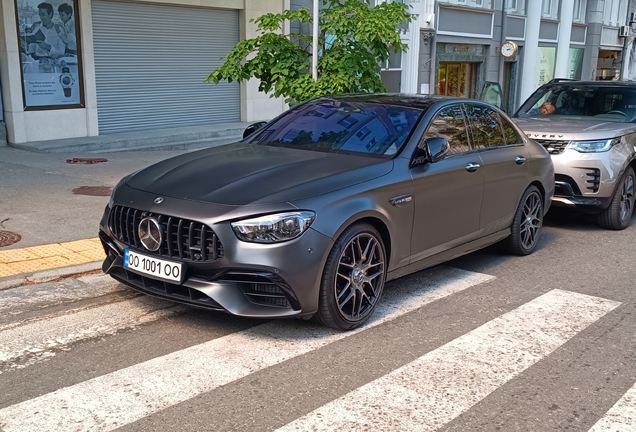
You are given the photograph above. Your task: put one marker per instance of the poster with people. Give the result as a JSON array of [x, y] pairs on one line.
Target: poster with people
[[48, 32]]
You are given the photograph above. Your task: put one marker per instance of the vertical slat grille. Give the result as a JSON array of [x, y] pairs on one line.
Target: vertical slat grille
[[182, 238]]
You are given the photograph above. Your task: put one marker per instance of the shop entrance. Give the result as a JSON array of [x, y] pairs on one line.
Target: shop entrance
[[456, 79]]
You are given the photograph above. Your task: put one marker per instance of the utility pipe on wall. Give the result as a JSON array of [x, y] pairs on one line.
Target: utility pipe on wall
[[314, 46]]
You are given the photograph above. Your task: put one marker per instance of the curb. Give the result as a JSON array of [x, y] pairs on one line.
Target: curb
[[47, 275]]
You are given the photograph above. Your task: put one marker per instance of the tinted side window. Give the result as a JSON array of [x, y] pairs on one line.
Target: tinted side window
[[486, 129], [449, 123], [510, 133]]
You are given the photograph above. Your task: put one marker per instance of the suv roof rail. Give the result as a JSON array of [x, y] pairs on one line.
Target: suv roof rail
[[555, 80]]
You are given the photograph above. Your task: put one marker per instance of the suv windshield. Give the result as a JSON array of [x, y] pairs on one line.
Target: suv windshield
[[582, 102], [342, 126]]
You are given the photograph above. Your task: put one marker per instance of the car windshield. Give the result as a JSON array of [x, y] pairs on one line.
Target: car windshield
[[582, 102], [343, 126]]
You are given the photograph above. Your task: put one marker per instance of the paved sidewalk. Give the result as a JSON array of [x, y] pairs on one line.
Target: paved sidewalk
[[42, 204], [37, 258]]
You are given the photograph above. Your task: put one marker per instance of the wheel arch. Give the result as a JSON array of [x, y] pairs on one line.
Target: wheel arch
[[376, 222]]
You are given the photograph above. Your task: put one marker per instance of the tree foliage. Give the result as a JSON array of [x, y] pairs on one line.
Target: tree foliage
[[355, 40]]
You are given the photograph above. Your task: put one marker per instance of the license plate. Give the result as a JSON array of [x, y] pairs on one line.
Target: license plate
[[153, 266]]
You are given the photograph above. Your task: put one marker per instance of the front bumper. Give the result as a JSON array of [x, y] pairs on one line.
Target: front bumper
[[586, 180], [250, 280]]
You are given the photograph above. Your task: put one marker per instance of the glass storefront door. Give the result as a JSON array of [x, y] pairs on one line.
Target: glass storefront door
[[456, 79]]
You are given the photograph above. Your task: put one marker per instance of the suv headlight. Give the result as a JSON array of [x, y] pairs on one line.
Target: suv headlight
[[273, 228], [593, 146]]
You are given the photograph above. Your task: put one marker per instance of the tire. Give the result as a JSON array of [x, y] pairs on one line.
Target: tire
[[353, 278], [527, 223], [619, 213]]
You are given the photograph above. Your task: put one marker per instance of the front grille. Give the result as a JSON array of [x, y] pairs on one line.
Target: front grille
[[553, 146], [181, 238], [593, 179]]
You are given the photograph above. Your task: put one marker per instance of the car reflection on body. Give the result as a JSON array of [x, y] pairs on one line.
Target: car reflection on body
[[312, 213]]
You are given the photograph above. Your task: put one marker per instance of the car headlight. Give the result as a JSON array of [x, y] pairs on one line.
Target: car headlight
[[274, 228], [593, 146]]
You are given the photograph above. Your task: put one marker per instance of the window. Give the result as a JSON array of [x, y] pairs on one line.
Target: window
[[486, 129], [579, 11], [510, 133], [483, 4], [550, 9], [615, 12], [449, 124], [516, 7]]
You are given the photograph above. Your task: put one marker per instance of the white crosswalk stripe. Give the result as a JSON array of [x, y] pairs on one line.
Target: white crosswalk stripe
[[436, 388], [119, 398], [422, 395], [621, 417]]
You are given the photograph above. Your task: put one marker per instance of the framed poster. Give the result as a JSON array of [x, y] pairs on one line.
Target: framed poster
[[50, 55], [545, 65]]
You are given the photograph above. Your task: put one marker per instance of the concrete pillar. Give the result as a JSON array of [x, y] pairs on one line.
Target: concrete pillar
[[410, 59], [563, 45], [530, 49]]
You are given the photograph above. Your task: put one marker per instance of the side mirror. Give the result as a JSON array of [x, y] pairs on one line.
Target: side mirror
[[431, 150], [253, 128], [437, 148]]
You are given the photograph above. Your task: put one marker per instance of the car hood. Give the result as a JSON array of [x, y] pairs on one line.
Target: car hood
[[569, 129], [243, 174]]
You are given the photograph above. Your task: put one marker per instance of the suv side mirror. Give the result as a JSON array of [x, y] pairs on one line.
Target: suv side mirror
[[253, 128], [431, 150]]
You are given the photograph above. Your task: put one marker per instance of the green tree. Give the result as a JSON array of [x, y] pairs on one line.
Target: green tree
[[355, 41]]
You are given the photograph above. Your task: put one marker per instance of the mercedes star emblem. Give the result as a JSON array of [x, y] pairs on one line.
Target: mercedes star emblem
[[150, 233], [158, 200]]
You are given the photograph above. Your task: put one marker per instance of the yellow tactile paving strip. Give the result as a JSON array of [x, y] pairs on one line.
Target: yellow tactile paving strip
[[46, 257]]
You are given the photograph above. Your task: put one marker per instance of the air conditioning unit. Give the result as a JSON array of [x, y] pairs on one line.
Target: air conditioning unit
[[623, 31], [632, 17]]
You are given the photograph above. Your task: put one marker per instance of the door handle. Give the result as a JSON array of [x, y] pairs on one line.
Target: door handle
[[520, 160], [472, 167]]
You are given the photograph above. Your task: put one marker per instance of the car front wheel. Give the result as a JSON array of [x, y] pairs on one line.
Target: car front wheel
[[526, 224], [353, 278], [619, 212]]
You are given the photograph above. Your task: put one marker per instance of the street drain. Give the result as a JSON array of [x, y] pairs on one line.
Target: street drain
[[93, 190], [8, 238]]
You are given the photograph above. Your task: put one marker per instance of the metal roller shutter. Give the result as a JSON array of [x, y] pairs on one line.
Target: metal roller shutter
[[150, 63]]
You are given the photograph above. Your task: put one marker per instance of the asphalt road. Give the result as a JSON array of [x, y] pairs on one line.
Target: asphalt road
[[486, 342]]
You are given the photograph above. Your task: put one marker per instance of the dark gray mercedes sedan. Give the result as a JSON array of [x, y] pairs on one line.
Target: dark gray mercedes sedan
[[314, 211]]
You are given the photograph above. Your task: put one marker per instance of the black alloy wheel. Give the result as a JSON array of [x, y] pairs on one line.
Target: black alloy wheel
[[527, 223], [619, 213], [353, 278]]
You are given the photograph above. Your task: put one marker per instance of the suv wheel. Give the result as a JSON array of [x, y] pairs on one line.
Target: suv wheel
[[619, 213]]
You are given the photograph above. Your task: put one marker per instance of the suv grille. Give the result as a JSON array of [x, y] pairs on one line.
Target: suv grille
[[181, 238], [553, 146]]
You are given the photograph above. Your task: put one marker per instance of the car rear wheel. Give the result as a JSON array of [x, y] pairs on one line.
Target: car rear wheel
[[353, 278], [619, 213], [527, 223]]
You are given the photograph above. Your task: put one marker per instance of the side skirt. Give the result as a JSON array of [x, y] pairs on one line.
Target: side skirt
[[448, 255]]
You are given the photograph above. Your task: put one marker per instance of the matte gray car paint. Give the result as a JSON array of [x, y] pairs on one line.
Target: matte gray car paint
[[201, 186]]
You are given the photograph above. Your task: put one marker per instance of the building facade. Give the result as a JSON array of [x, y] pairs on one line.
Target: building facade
[[80, 68], [521, 44]]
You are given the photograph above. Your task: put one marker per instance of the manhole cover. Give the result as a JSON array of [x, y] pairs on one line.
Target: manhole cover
[[86, 160], [8, 238], [93, 190]]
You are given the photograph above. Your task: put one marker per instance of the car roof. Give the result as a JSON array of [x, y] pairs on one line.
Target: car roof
[[401, 99], [594, 83]]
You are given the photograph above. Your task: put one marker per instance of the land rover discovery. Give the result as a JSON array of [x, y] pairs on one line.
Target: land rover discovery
[[589, 129]]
